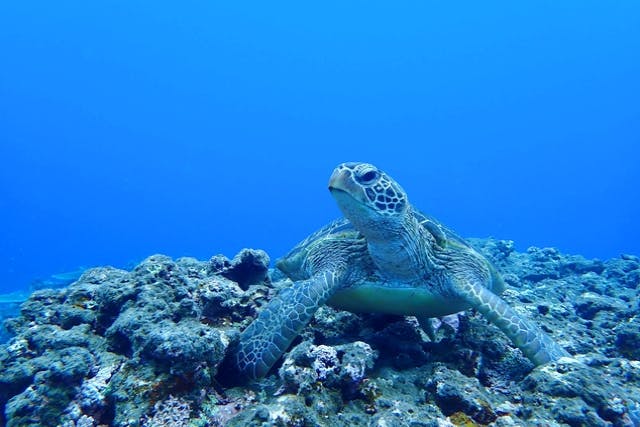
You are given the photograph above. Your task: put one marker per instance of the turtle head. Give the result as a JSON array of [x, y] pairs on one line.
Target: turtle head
[[368, 197]]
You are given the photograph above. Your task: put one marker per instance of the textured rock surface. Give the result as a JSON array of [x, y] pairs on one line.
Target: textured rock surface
[[147, 347], [110, 347]]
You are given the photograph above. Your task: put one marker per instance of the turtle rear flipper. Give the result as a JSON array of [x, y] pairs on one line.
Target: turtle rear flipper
[[534, 343], [270, 334]]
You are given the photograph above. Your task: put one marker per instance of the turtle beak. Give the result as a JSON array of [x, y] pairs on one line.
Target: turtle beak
[[349, 195], [343, 186], [340, 180]]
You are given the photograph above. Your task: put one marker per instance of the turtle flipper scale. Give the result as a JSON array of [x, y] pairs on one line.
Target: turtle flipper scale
[[271, 333], [528, 337]]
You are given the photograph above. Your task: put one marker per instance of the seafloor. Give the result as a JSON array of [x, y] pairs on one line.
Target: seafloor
[[147, 347]]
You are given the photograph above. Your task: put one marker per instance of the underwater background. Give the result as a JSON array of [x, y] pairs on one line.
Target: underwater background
[[134, 128]]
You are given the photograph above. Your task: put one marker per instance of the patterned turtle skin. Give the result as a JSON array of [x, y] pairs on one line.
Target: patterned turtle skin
[[385, 256]]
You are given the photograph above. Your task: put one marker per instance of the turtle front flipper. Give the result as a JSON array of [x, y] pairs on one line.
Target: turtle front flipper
[[271, 333], [528, 337]]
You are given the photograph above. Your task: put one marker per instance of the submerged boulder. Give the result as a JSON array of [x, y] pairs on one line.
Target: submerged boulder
[[110, 346]]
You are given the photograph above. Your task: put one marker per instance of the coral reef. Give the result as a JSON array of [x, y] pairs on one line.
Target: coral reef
[[150, 347]]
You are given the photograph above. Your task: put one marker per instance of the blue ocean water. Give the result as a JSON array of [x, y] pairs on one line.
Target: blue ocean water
[[197, 128]]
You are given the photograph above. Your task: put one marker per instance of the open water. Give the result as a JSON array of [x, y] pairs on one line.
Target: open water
[[196, 128]]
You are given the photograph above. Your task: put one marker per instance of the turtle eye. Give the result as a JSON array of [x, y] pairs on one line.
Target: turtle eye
[[368, 177]]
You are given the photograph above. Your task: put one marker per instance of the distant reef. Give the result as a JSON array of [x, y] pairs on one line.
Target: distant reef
[[150, 347]]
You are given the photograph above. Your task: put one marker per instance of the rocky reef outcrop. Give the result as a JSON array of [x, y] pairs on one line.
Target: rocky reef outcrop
[[150, 347]]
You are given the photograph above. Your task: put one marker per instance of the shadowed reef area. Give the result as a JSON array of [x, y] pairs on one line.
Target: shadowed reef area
[[150, 347]]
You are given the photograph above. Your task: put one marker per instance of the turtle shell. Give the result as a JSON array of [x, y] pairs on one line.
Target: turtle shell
[[441, 233], [291, 263]]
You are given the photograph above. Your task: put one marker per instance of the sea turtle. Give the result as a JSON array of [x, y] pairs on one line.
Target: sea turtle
[[385, 256]]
